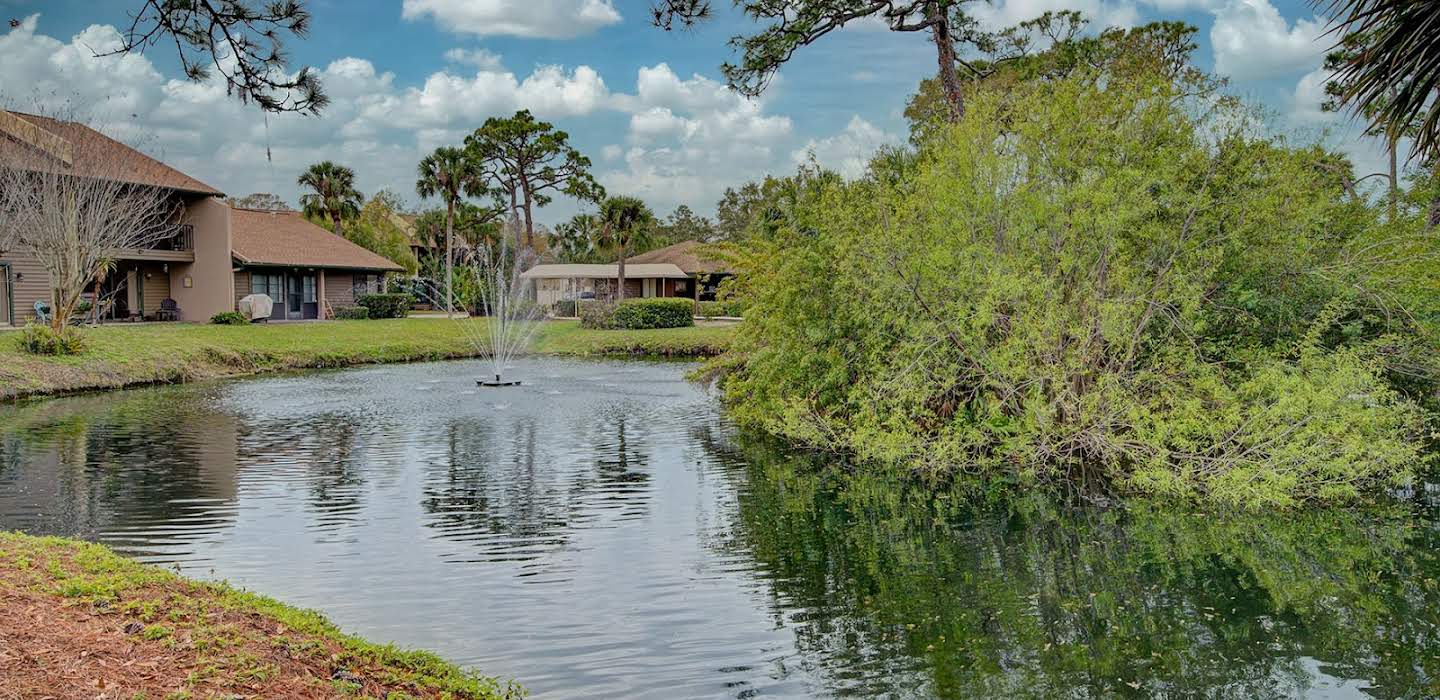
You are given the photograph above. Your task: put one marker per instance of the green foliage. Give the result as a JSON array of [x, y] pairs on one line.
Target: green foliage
[[39, 339], [352, 313], [715, 309], [1096, 283], [598, 314], [229, 318], [386, 305], [533, 161], [332, 196], [636, 314], [380, 229]]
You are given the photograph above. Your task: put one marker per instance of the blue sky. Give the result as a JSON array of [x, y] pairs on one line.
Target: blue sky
[[646, 105]]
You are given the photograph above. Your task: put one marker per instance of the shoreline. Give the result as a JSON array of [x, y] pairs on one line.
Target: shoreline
[[121, 357], [85, 622]]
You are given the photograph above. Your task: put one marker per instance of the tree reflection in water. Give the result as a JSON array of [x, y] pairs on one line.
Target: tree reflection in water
[[496, 486], [891, 587]]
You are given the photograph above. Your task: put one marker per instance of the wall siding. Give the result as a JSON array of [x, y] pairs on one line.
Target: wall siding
[[338, 291], [242, 287], [31, 284], [157, 287]]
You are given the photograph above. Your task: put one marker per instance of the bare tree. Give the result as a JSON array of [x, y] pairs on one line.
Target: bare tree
[[70, 202]]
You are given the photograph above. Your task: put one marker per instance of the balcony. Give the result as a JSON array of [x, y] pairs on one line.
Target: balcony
[[175, 244]]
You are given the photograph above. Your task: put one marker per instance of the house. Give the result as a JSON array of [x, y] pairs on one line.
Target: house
[[698, 260], [307, 270], [686, 270], [195, 250], [211, 256], [553, 283]]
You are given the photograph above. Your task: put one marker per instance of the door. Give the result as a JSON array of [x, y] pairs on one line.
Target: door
[[293, 297], [309, 304]]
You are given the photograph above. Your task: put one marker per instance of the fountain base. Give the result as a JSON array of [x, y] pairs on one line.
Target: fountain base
[[497, 382]]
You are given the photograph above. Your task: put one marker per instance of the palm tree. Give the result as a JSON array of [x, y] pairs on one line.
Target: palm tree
[[449, 173], [1391, 70], [334, 196], [574, 240], [624, 222]]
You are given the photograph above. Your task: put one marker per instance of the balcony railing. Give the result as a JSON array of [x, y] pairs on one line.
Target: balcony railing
[[177, 237]]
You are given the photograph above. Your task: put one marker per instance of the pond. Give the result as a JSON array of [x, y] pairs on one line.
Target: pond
[[602, 532]]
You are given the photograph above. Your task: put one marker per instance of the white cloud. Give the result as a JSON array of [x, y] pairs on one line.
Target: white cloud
[[1101, 13], [849, 151], [1307, 97], [479, 58], [1252, 40], [542, 19]]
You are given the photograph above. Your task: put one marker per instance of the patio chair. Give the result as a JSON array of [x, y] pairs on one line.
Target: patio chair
[[42, 312], [169, 311]]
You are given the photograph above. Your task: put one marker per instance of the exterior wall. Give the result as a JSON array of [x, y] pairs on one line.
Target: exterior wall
[[634, 289], [156, 286], [29, 283], [338, 289], [242, 287], [211, 286]]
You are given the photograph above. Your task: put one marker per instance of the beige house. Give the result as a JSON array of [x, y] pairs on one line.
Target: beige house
[[211, 257], [178, 267], [554, 283]]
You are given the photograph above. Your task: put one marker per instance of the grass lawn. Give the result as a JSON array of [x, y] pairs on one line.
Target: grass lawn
[[82, 621], [119, 355]]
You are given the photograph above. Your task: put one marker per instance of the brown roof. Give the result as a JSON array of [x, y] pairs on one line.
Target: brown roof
[[286, 238], [691, 256], [93, 153]]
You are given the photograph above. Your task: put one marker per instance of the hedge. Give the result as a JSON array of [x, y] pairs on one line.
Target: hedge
[[386, 305], [635, 314], [712, 309], [229, 318], [352, 313]]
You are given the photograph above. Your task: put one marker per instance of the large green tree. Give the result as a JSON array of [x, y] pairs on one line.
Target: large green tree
[[624, 223], [380, 229], [574, 241], [533, 162], [450, 174], [241, 40], [793, 24], [332, 196]]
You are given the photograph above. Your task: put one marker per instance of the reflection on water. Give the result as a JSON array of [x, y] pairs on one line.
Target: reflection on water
[[601, 532]]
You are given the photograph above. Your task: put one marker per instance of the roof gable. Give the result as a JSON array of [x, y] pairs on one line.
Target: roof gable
[[694, 257]]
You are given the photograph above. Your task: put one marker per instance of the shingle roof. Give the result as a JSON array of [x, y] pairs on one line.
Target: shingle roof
[[97, 155], [691, 256], [632, 271], [286, 238]]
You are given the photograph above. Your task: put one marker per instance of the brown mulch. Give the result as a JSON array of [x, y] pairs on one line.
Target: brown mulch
[[53, 647]]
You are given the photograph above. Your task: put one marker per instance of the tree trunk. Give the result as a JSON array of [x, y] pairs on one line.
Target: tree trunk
[[1433, 219], [335, 217], [945, 55], [449, 256], [529, 214], [620, 294], [1394, 176]]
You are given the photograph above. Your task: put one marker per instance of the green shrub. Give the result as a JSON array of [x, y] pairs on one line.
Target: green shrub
[[635, 314], [568, 308], [352, 313], [229, 318], [43, 340], [715, 309], [597, 314], [1089, 284], [386, 305]]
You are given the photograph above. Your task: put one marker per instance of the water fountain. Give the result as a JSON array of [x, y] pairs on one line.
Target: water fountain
[[492, 277]]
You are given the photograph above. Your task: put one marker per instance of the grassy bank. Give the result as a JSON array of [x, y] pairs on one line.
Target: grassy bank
[[82, 621], [120, 356]]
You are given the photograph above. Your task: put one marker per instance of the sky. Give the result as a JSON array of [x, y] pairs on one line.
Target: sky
[[648, 107]]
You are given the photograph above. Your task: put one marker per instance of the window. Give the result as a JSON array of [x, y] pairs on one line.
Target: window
[[309, 289], [267, 284]]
